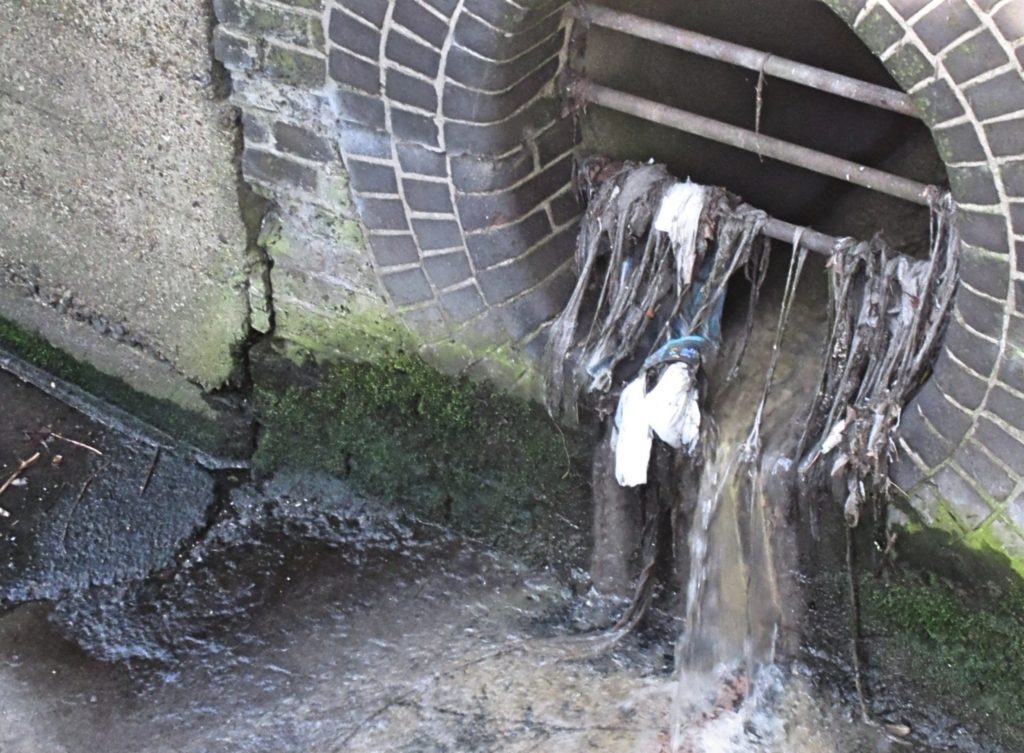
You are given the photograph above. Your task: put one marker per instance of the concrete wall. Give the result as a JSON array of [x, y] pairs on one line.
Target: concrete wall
[[121, 239]]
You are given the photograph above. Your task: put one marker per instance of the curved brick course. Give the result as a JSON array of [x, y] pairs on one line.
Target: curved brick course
[[447, 120]]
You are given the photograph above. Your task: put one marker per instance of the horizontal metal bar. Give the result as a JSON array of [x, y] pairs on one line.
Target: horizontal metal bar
[[766, 146], [812, 240], [746, 57]]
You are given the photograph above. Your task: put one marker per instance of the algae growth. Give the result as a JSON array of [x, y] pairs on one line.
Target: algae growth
[[449, 450], [952, 635]]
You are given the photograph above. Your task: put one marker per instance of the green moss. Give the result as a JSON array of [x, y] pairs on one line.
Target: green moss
[[451, 451], [220, 438], [952, 634]]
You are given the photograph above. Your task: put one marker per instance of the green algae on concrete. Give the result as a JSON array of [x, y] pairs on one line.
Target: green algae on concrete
[[449, 450]]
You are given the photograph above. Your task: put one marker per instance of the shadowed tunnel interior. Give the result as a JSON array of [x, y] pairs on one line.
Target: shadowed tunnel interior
[[805, 31]]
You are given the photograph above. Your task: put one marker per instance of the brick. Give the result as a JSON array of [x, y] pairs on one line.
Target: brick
[[496, 77], [411, 126], [959, 143], [235, 52], [406, 51], [479, 211], [974, 56], [302, 143], [523, 316], [427, 196], [419, 160], [307, 4], [254, 131], [1017, 223], [349, 70], [987, 274], [909, 66], [559, 139], [923, 441], [1007, 406], [508, 17], [262, 19], [937, 103], [985, 470], [434, 235], [480, 38], [472, 174], [879, 30], [907, 8], [504, 282], [495, 246], [967, 389], [949, 420], [463, 304], [420, 21], [1001, 444], [447, 7], [947, 22], [1005, 139], [987, 231], [979, 355], [293, 67], [372, 10], [365, 142], [448, 269], [354, 36], [267, 168], [973, 185], [369, 177], [997, 96], [565, 207], [382, 214], [463, 138], [227, 12], [390, 250], [981, 314], [410, 91], [1011, 372], [360, 108], [461, 103], [535, 347], [407, 287], [1010, 21], [956, 490]]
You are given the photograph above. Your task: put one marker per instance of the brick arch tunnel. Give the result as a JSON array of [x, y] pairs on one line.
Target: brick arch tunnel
[[448, 119]]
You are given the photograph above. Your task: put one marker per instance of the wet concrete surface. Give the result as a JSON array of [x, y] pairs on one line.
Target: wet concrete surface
[[95, 507]]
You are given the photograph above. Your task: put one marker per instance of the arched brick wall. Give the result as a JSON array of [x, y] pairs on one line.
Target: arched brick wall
[[463, 182], [446, 117]]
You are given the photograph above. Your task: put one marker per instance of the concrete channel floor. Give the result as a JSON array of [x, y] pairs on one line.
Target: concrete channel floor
[[295, 618], [185, 614]]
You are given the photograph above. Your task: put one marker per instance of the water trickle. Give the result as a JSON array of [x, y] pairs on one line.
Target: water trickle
[[662, 256]]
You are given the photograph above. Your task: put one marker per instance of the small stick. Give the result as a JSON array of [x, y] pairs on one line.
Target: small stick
[[74, 505], [152, 467], [76, 443], [10, 479]]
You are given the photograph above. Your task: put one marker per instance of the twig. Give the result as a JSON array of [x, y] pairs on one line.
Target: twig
[[76, 443], [10, 479], [74, 505], [152, 467]]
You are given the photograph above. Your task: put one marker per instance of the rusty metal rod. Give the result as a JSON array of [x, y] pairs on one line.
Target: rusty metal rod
[[746, 57], [766, 146]]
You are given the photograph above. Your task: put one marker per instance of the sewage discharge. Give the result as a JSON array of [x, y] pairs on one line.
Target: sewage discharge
[[642, 343]]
